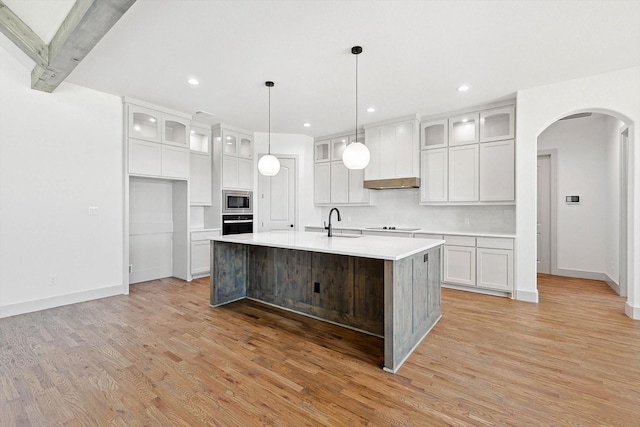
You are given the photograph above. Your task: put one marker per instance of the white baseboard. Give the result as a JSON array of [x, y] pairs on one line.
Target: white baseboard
[[612, 283], [58, 301], [579, 274], [631, 311], [526, 296], [476, 290]]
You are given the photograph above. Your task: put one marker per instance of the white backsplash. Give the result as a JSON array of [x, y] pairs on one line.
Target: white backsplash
[[401, 208]]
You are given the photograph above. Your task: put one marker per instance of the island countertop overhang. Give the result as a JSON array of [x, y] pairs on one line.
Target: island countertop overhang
[[378, 247]]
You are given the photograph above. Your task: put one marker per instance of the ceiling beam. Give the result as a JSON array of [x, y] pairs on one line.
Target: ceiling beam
[[87, 22], [23, 36]]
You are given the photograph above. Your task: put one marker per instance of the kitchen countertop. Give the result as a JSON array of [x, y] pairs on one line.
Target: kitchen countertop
[[378, 247], [426, 231]]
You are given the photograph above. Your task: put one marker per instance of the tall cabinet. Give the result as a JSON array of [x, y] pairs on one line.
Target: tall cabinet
[[469, 158], [236, 157]]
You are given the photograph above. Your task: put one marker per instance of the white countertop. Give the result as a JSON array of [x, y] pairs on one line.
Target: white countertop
[[424, 231], [378, 247]]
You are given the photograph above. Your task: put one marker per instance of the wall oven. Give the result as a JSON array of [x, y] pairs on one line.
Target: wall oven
[[237, 202], [237, 224]]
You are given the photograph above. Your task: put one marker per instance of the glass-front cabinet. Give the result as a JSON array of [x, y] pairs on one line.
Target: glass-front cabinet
[[245, 148], [497, 124], [199, 140], [174, 131], [321, 151], [230, 143], [144, 123], [464, 129], [434, 134], [337, 147]]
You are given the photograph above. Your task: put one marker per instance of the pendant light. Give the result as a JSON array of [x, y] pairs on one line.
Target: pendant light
[[269, 165], [356, 155]]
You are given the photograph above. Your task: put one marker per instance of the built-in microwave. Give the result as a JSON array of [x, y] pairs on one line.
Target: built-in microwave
[[237, 202]]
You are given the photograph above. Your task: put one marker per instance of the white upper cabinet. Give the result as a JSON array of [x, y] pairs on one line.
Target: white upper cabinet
[[200, 140], [497, 170], [144, 123], [175, 131], [339, 183], [463, 173], [337, 147], [237, 157], [497, 124], [464, 129], [200, 174], [245, 146], [394, 148], [322, 183], [321, 151], [434, 134], [229, 143], [434, 177]]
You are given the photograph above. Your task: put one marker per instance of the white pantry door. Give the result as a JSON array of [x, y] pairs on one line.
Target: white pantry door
[[544, 214], [277, 197]]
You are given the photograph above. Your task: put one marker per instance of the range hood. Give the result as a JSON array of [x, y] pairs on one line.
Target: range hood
[[392, 183]]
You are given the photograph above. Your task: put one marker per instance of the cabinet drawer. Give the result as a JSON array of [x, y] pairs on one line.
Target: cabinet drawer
[[495, 243], [460, 240]]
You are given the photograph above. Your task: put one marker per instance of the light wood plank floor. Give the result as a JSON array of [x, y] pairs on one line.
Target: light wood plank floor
[[161, 356]]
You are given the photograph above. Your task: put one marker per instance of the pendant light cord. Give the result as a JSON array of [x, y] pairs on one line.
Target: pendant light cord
[[269, 120], [355, 138]]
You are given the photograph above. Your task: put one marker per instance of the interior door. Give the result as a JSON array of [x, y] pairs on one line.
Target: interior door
[[277, 197], [544, 215]]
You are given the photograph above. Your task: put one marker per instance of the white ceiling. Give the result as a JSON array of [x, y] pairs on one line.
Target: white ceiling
[[416, 53]]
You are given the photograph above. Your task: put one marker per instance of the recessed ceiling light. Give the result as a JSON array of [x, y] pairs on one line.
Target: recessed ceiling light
[[307, 125], [463, 88], [193, 81], [370, 110]]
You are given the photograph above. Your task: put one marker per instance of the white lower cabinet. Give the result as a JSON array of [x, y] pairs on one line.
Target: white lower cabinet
[[483, 262], [201, 252]]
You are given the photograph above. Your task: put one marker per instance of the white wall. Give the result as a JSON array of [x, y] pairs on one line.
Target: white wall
[[60, 154], [612, 199], [401, 208], [302, 146], [616, 93], [583, 171]]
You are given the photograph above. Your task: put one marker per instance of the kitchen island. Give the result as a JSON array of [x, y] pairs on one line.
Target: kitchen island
[[379, 285]]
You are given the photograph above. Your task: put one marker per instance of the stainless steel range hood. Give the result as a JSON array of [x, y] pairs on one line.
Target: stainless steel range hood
[[392, 183]]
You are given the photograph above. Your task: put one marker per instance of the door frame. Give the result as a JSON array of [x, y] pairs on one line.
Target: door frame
[[296, 190], [553, 215], [623, 250]]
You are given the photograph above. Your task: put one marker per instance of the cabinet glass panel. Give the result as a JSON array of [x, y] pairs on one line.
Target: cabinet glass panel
[[497, 124], [175, 132], [338, 146], [230, 144], [322, 151], [246, 148], [145, 126], [199, 141], [463, 130], [434, 134]]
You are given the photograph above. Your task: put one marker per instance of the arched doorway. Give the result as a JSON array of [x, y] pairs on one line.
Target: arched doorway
[[582, 172]]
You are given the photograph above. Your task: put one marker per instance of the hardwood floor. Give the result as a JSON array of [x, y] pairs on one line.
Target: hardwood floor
[[161, 356]]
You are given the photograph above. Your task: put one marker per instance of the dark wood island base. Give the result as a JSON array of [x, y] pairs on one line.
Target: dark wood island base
[[398, 300]]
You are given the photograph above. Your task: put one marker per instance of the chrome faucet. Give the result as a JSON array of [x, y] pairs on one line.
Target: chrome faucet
[[330, 227]]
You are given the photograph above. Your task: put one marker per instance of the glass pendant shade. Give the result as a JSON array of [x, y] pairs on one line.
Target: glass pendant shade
[[356, 156], [269, 165]]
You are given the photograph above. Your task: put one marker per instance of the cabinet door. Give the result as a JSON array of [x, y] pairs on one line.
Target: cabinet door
[[245, 174], [434, 134], [497, 124], [459, 265], [322, 184], [200, 140], [229, 143], [357, 193], [144, 158], [200, 180], [144, 123], [497, 171], [463, 173], [337, 147], [229, 172], [464, 129], [175, 162], [200, 257], [339, 183], [495, 269], [434, 175], [245, 146], [321, 150], [406, 149], [175, 131], [374, 141]]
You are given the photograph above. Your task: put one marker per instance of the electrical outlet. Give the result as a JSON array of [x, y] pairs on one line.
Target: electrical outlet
[[130, 268], [316, 287], [52, 280]]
